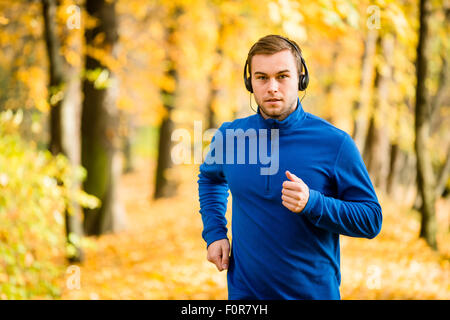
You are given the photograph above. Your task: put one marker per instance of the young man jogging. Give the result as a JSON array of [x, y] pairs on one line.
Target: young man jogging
[[297, 183]]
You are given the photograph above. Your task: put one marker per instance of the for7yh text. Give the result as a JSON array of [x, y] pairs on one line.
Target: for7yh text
[[229, 309]]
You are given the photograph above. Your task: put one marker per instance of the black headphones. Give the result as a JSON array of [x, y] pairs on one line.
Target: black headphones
[[303, 78]]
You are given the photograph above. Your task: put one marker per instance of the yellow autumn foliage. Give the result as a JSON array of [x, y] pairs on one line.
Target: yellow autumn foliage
[[162, 254]]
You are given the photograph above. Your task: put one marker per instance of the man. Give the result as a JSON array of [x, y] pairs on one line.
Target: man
[[285, 223]]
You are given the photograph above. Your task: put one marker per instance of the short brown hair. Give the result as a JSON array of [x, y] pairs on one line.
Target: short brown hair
[[272, 44]]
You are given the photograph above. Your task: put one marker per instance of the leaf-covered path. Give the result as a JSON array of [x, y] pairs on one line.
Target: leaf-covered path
[[161, 255]]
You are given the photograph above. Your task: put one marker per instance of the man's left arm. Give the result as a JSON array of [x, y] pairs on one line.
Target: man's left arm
[[356, 211]]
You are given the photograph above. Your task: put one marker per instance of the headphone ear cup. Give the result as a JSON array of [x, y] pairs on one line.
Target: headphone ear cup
[[247, 80], [248, 84], [303, 80], [306, 81]]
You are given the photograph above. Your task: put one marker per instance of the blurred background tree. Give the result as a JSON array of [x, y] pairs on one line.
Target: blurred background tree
[[64, 99]]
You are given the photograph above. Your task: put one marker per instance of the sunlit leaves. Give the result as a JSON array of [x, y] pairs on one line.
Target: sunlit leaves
[[290, 15], [37, 89], [32, 204], [99, 77], [168, 264]]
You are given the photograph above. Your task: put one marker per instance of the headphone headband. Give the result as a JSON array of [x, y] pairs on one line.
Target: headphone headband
[[303, 78]]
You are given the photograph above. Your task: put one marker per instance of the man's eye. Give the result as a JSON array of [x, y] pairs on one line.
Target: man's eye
[[261, 77], [283, 76]]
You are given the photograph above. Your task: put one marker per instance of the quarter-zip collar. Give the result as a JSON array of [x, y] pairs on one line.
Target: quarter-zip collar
[[292, 120]]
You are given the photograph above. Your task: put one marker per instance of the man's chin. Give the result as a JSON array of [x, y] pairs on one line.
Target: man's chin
[[273, 115], [273, 111]]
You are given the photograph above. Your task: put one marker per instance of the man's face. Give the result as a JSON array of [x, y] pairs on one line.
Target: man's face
[[275, 83]]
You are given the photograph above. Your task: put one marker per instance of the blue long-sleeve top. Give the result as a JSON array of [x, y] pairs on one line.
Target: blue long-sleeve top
[[276, 253]]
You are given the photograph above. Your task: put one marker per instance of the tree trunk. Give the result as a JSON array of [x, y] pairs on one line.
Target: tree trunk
[[443, 176], [435, 104], [377, 145], [126, 134], [57, 79], [394, 166], [99, 128], [213, 91], [407, 176], [214, 87], [166, 185], [362, 104], [64, 123], [425, 176], [438, 100], [397, 159], [369, 145], [328, 115]]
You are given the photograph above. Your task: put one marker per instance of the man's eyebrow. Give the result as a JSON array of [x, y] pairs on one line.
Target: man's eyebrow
[[282, 71]]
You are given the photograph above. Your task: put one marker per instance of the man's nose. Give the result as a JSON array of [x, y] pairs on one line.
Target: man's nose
[[273, 85]]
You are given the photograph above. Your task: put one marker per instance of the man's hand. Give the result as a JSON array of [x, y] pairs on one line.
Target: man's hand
[[295, 193], [218, 253]]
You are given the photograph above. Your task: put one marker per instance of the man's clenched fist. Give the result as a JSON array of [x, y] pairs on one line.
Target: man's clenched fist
[[219, 253], [295, 193]]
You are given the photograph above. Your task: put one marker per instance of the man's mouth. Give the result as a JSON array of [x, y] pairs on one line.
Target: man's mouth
[[273, 100]]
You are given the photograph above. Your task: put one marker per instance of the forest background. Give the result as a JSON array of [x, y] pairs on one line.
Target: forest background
[[92, 93]]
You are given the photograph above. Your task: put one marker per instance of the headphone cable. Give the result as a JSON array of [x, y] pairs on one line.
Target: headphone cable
[[250, 101], [303, 96]]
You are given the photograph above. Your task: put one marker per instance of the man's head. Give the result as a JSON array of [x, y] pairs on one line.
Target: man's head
[[274, 65]]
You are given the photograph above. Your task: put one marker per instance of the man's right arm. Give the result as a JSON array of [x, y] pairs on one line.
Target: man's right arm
[[213, 191]]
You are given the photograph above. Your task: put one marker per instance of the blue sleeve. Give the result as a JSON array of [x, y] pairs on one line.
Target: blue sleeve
[[356, 211], [213, 191]]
